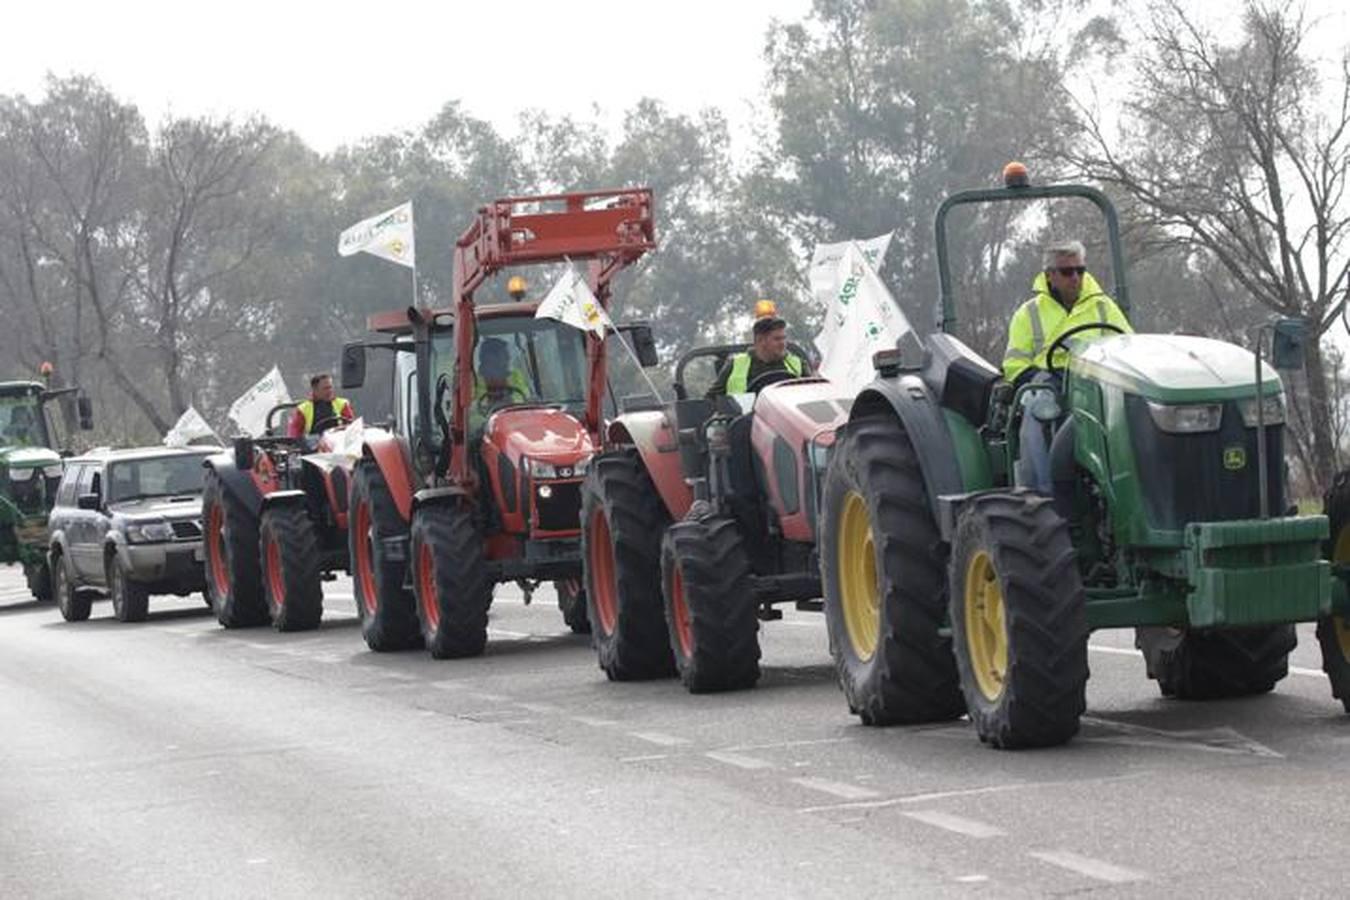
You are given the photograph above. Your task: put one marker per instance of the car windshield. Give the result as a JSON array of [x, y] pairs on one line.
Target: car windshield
[[21, 421], [161, 476]]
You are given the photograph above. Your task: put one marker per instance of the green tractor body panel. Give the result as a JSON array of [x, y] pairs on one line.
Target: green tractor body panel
[[29, 473]]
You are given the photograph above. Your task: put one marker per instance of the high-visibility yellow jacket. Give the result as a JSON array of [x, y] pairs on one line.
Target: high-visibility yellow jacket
[[738, 380], [303, 421], [516, 389], [1040, 320]]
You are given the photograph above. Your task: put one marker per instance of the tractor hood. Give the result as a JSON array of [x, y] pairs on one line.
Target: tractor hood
[[550, 435], [1172, 368], [29, 457]]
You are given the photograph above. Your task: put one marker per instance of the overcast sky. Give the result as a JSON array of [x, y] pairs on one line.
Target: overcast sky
[[337, 71]]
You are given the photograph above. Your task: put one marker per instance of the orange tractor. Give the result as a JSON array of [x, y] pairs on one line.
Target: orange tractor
[[274, 513], [699, 518], [498, 414]]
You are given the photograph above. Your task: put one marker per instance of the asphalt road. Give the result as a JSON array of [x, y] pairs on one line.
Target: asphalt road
[[173, 758]]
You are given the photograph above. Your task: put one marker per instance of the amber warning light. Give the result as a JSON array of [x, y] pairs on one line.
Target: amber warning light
[[1015, 175], [765, 308]]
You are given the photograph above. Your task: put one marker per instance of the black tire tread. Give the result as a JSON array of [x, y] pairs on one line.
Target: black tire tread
[[290, 526], [1216, 663], [393, 626], [463, 586], [719, 595], [243, 606], [912, 676], [75, 604], [130, 599]]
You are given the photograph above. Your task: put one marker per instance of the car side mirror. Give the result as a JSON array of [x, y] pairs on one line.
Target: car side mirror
[[644, 344], [353, 365], [1288, 343], [87, 501], [84, 408]]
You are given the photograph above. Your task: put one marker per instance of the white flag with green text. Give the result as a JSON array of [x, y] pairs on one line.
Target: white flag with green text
[[388, 236]]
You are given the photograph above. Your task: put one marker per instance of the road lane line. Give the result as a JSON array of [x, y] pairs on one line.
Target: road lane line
[[966, 792], [594, 721], [956, 824], [1310, 673], [501, 633], [1086, 865], [779, 745], [541, 708], [738, 760], [648, 758], [657, 737], [447, 685], [837, 788]]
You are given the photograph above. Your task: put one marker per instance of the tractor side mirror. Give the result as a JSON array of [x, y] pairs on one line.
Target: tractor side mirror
[[243, 454], [353, 365], [84, 409], [1288, 343], [644, 344], [87, 501]]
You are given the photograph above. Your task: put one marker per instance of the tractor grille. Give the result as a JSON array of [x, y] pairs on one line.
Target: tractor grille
[[561, 510], [1184, 477], [186, 530]]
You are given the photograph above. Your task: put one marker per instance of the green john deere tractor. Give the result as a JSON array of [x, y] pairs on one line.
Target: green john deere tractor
[[950, 590], [30, 469]]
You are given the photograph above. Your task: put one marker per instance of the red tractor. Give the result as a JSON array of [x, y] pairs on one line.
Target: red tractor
[[275, 518], [499, 413], [699, 517]]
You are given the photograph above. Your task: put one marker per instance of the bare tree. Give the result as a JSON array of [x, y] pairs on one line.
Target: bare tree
[[1241, 151]]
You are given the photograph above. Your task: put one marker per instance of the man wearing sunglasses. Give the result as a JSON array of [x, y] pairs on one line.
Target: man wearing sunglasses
[[1064, 296]]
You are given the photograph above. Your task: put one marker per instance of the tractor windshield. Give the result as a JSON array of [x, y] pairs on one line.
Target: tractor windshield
[[531, 360], [21, 420]]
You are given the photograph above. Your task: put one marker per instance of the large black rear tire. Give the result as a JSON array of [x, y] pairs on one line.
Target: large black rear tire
[[572, 605], [622, 520], [1216, 663], [290, 568], [130, 599], [75, 604], [384, 605], [710, 606], [882, 576], [233, 576], [450, 580], [1333, 631], [1019, 621]]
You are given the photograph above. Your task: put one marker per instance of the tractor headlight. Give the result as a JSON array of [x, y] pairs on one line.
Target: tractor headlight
[[21, 475], [581, 466], [149, 532], [1272, 411], [1191, 418], [542, 469], [53, 471]]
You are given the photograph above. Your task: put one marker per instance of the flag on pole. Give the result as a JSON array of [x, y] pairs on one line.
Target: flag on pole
[[250, 411], [570, 301], [832, 273], [188, 428], [870, 320], [388, 236]]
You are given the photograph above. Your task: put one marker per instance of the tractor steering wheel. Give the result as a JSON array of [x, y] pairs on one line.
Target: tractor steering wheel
[[328, 422], [764, 379], [486, 403], [1057, 344]]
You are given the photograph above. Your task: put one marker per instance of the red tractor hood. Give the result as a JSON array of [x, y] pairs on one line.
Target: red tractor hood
[[550, 435]]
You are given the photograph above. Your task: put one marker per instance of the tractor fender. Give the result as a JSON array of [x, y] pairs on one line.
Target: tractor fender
[[909, 399], [653, 436], [240, 485], [391, 454], [283, 498], [437, 495]]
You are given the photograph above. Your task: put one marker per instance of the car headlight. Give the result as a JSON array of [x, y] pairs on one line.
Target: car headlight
[[149, 532], [1192, 418], [1272, 412]]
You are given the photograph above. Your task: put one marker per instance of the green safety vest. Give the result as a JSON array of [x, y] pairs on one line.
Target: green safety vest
[[1041, 320], [738, 380], [306, 408], [516, 379]]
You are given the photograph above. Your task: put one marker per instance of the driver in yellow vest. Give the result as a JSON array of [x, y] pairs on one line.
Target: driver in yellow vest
[[317, 413], [497, 382], [768, 353], [1064, 296]]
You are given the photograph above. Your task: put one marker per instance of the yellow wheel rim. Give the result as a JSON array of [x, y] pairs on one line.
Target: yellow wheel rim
[[1340, 553], [986, 631], [861, 598]]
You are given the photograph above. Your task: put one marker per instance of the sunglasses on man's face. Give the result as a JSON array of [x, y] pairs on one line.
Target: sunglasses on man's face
[[1067, 271]]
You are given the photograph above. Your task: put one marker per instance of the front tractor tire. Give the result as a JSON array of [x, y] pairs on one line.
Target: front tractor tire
[[1333, 631], [384, 605], [622, 520], [290, 568], [710, 605], [1019, 621], [451, 581], [233, 573], [883, 581]]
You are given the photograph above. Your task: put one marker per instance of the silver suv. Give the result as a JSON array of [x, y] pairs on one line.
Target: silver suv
[[128, 522]]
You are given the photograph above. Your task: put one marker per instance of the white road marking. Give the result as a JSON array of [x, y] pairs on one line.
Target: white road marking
[[1310, 673], [1207, 740], [490, 698], [658, 737], [837, 788], [648, 758], [738, 760], [781, 744], [956, 824], [542, 708], [1127, 651], [973, 879], [594, 722], [447, 685], [498, 632], [1086, 865], [400, 676], [967, 792]]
